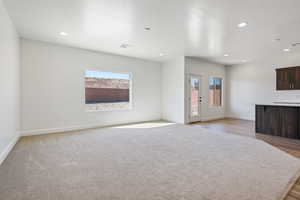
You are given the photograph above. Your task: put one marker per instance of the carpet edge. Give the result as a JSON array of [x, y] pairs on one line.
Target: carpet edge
[[290, 185]]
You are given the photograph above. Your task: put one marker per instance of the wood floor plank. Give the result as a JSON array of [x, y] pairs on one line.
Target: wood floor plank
[[290, 198], [296, 187], [294, 194]]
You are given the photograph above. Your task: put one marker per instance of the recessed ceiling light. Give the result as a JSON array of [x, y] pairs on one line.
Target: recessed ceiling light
[[287, 50], [63, 33], [242, 24], [244, 61], [226, 55], [161, 54], [147, 28]]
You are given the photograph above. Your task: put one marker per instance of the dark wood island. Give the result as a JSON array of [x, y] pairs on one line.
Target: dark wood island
[[278, 120]]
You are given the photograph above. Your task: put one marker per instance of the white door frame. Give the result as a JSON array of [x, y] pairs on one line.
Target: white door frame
[[198, 117]]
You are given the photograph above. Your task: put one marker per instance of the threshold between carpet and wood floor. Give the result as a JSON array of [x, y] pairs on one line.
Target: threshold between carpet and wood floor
[[247, 128]]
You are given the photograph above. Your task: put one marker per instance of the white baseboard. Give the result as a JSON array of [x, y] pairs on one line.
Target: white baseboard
[[203, 119], [244, 118], [55, 130], [8, 149], [240, 117], [74, 128]]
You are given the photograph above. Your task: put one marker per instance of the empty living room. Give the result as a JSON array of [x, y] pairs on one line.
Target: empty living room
[[149, 100]]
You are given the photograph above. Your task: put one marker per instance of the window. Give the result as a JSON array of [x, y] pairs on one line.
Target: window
[[106, 91], [215, 91]]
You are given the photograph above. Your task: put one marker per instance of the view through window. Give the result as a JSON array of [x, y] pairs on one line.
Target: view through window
[[194, 81], [106, 91], [215, 91]]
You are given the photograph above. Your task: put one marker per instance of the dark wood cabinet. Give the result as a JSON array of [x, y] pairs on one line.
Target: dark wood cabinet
[[280, 121], [271, 121], [297, 78], [259, 118], [289, 122], [288, 78]]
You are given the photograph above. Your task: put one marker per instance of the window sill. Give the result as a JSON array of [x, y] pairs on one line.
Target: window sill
[[109, 110]]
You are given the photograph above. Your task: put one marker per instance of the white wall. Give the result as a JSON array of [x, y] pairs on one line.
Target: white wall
[[53, 88], [255, 83], [9, 83], [173, 88], [207, 69]]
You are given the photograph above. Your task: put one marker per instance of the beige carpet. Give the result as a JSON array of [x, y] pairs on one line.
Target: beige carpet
[[172, 162]]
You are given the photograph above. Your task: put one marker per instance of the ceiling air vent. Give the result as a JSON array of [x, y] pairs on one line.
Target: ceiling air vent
[[124, 46]]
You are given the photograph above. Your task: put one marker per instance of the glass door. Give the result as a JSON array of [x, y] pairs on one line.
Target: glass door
[[194, 98]]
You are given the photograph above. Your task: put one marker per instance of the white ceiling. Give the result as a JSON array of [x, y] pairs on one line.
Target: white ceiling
[[200, 28]]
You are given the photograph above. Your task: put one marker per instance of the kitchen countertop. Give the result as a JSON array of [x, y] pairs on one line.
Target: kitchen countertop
[[288, 104]]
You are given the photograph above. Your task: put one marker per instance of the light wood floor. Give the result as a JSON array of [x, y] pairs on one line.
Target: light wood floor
[[247, 128]]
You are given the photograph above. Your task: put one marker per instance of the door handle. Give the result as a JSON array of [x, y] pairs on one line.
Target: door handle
[[292, 85]]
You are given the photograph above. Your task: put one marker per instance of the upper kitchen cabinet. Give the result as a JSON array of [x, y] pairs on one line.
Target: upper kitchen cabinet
[[288, 78]]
